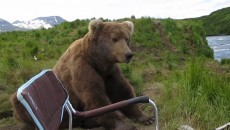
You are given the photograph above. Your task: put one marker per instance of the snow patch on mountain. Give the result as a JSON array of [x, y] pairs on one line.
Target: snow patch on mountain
[[40, 22], [32, 24]]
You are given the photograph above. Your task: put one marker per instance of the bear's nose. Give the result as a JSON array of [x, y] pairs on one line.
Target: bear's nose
[[129, 56]]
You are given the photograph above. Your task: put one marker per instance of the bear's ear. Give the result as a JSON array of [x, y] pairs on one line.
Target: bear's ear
[[95, 25], [129, 25]]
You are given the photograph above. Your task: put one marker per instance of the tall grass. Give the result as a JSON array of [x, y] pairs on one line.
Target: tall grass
[[196, 97]]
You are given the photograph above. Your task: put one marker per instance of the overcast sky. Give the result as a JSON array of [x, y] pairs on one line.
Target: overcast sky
[[70, 10]]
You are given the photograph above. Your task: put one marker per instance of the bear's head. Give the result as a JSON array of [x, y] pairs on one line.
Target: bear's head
[[111, 40]]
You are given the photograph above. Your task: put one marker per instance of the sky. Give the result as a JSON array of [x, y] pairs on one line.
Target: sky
[[71, 10]]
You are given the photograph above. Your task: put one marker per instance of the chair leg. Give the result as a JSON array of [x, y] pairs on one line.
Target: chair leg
[[70, 117], [155, 113]]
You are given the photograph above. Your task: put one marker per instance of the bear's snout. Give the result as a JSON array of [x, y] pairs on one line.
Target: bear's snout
[[129, 56]]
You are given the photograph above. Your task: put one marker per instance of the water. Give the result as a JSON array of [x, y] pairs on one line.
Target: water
[[220, 46]]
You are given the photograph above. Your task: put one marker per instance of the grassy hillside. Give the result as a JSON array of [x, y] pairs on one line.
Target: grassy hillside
[[217, 23], [172, 65]]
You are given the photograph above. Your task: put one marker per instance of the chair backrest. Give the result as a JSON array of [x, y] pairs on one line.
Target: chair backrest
[[44, 97]]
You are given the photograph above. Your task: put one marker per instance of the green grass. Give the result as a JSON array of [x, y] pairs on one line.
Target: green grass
[[197, 96]]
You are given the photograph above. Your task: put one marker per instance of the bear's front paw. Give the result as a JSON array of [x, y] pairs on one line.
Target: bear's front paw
[[145, 120]]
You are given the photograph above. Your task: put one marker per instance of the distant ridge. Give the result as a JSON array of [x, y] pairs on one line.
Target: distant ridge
[[7, 26], [217, 23]]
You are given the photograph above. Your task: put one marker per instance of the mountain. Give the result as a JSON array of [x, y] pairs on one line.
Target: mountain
[[6, 26], [40, 22], [37, 23], [217, 23]]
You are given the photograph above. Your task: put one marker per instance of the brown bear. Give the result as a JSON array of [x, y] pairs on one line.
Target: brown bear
[[90, 72]]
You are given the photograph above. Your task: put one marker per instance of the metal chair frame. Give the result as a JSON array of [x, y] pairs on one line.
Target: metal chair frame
[[31, 95]]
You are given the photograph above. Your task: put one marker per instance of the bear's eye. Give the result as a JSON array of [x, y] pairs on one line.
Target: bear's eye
[[115, 39]]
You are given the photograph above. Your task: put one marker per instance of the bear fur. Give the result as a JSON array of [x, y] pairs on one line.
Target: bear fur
[[90, 72]]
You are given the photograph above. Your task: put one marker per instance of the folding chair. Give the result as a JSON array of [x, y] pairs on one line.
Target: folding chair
[[45, 99]]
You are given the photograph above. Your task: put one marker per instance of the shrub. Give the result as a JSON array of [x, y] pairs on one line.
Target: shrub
[[225, 61]]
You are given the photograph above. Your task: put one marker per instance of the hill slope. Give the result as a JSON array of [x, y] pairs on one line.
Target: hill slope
[[217, 23]]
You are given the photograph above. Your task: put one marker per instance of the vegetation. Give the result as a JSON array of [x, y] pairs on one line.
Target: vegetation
[[172, 65], [198, 96], [217, 23], [225, 61]]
